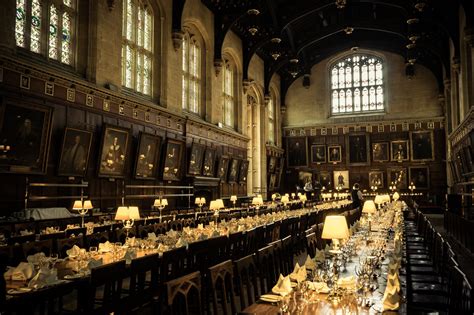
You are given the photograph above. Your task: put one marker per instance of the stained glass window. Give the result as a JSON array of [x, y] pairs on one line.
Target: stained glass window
[[54, 41], [357, 85], [137, 51], [191, 74], [271, 119], [229, 103]]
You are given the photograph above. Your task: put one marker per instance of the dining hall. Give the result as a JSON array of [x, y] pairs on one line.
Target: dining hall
[[236, 157]]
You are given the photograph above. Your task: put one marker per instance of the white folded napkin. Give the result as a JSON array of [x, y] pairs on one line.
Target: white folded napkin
[[75, 251], [152, 236], [283, 286], [299, 273], [172, 233], [36, 258], [44, 277], [393, 280], [22, 272], [241, 228], [321, 287], [391, 298], [309, 263], [94, 263], [106, 247], [25, 232], [320, 256], [348, 283], [200, 226], [181, 242], [130, 254]]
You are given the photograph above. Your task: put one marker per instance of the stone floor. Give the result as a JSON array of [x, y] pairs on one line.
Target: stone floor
[[464, 257]]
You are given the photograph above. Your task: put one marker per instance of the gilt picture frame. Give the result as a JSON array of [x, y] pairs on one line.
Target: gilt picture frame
[[148, 156]]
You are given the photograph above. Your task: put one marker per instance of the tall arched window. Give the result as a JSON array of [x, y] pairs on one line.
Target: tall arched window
[[191, 74], [229, 99], [47, 27], [137, 46], [357, 85], [271, 119]]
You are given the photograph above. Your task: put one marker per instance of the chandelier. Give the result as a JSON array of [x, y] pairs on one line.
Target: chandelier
[[275, 52], [294, 67], [341, 4], [253, 28]]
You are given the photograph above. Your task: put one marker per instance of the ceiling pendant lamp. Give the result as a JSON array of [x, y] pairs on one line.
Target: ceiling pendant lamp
[[275, 52], [253, 27], [294, 67], [420, 5], [413, 29], [341, 4]]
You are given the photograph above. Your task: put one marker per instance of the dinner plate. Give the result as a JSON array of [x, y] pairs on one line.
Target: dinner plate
[[73, 276], [272, 298], [18, 291]]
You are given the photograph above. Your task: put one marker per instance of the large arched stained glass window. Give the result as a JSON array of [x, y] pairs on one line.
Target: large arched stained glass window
[[357, 85], [228, 89], [55, 40], [137, 43]]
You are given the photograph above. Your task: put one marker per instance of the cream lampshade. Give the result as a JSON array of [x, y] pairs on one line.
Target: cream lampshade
[[88, 205], [122, 214], [134, 213], [274, 196], [164, 202], [303, 197], [386, 198], [77, 205], [220, 203], [335, 228], [369, 207], [233, 198], [396, 196], [157, 203], [257, 201], [379, 199], [285, 199], [214, 205]]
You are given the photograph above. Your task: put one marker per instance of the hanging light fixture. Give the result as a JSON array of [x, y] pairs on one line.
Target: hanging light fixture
[[348, 30], [253, 27], [275, 52], [411, 53], [420, 5], [413, 29], [294, 67], [341, 4]]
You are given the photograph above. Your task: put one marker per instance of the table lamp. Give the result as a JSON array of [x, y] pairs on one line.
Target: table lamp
[[257, 202], [369, 208], [335, 229], [233, 198], [160, 204], [412, 187], [293, 195], [285, 200], [274, 197], [82, 208], [303, 199], [127, 215], [200, 202], [379, 200], [396, 196], [215, 205]]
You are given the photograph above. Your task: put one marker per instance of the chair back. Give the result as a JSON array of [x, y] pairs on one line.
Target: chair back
[[222, 288], [235, 245], [266, 267], [183, 294], [31, 248], [311, 244], [247, 279], [64, 244], [76, 231], [174, 263], [95, 239]]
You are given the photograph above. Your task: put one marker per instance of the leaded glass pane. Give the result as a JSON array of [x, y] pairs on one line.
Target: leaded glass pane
[[357, 100], [66, 47], [365, 99], [147, 76], [371, 74], [185, 55], [341, 78], [148, 28], [35, 33], [140, 27], [128, 66], [68, 3], [130, 22], [365, 76], [356, 76], [379, 97], [342, 101], [139, 73], [334, 78], [349, 101], [378, 73], [20, 23], [372, 105], [185, 92], [335, 102], [348, 77], [53, 32]]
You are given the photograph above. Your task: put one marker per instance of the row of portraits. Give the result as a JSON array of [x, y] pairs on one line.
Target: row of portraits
[[274, 171], [359, 150], [418, 175], [25, 133]]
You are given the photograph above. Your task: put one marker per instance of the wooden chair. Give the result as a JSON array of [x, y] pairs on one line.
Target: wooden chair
[[247, 280], [31, 248], [21, 239], [287, 253], [235, 245], [221, 279], [160, 228], [183, 295], [266, 267], [174, 263], [95, 239], [143, 287], [143, 230], [311, 244], [102, 228], [120, 235], [250, 242], [279, 257], [198, 255], [176, 225], [64, 244], [104, 290], [219, 250]]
